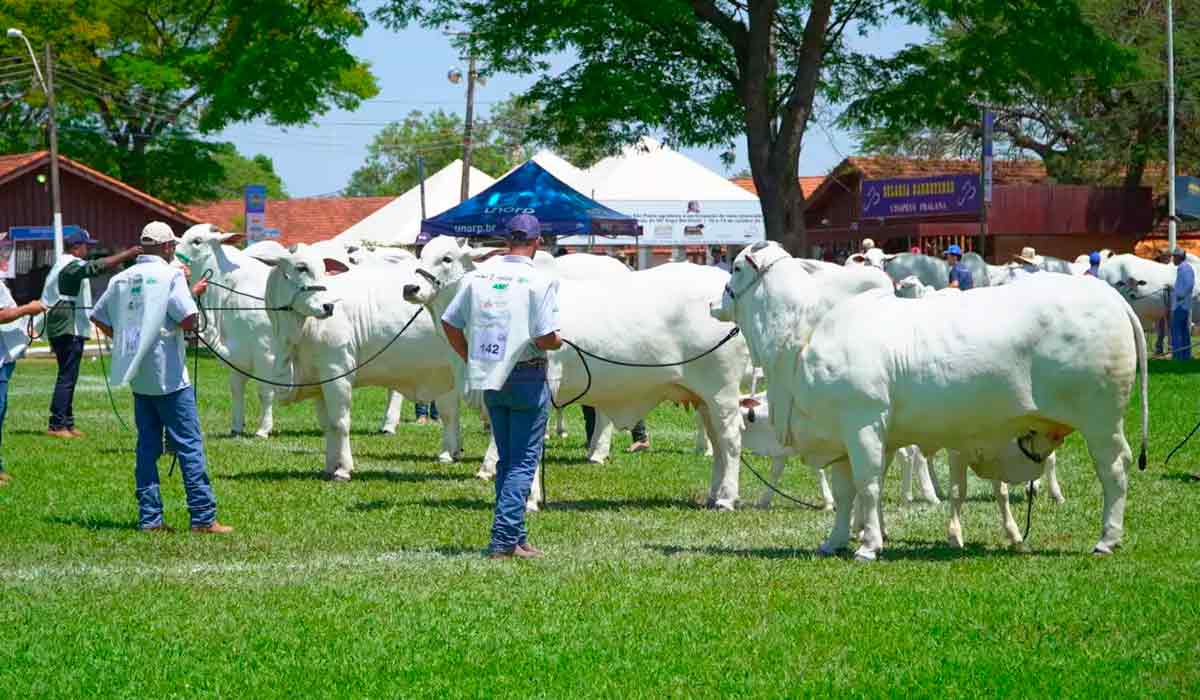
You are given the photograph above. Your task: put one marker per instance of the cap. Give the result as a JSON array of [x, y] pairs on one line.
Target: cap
[[1179, 253], [157, 233], [79, 237], [953, 250], [868, 244], [1094, 258], [524, 227]]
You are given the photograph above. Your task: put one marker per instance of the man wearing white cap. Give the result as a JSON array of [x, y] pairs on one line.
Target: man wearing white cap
[[145, 311]]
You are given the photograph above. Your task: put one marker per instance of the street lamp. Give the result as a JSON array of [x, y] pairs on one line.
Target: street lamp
[[1171, 220], [48, 89]]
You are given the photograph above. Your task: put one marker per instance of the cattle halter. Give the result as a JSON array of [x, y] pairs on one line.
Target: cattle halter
[[762, 272]]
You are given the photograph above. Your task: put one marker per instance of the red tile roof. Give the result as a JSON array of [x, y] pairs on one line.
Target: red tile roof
[[1004, 172], [12, 166], [303, 220], [808, 183]]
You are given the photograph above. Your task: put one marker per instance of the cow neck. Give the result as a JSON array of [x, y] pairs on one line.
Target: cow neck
[[782, 307]]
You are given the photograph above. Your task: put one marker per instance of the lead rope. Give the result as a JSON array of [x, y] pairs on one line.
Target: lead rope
[[1029, 494]]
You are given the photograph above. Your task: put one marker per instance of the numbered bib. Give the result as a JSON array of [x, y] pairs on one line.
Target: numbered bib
[[489, 344]]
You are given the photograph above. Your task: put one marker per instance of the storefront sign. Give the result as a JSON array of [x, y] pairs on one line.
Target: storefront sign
[[920, 196]]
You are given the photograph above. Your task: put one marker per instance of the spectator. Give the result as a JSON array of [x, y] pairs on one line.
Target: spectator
[[1027, 263], [426, 412], [960, 274], [13, 341], [1181, 306]]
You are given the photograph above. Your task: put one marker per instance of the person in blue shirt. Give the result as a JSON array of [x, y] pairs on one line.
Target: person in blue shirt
[[1181, 306], [1093, 265], [960, 275]]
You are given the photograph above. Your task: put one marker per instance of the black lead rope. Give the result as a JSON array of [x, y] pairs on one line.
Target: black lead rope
[[1030, 493], [108, 387], [322, 382], [778, 491], [584, 354]]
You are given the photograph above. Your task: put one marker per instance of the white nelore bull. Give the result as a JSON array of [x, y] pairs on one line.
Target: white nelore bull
[[986, 372], [655, 316], [1147, 286], [342, 325], [932, 272], [238, 326]]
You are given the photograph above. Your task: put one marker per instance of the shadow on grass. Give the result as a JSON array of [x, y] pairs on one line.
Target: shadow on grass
[[583, 505], [918, 551], [93, 522], [1173, 367], [318, 475], [1184, 477]]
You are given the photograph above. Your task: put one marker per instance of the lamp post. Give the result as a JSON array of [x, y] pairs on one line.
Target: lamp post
[[47, 83], [455, 76], [1171, 225]]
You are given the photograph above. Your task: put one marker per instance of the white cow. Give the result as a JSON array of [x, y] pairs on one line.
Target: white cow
[[1147, 286], [655, 316], [931, 271], [972, 372], [335, 325], [241, 336]]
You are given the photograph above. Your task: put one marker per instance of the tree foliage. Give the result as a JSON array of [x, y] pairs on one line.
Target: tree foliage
[[705, 71], [1100, 118], [138, 83], [501, 140]]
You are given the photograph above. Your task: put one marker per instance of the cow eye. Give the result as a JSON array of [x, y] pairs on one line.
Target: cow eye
[[302, 269], [447, 259], [1120, 284], [1141, 283]]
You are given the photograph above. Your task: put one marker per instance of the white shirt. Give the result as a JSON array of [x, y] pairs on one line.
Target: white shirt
[[13, 338], [164, 368], [501, 309]]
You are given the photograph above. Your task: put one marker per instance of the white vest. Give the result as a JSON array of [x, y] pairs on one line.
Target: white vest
[[498, 334], [12, 334], [141, 295], [50, 297]]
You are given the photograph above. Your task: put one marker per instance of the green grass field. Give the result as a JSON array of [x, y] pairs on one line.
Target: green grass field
[[377, 587]]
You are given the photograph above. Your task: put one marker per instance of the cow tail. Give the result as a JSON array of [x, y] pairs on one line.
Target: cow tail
[[1139, 340]]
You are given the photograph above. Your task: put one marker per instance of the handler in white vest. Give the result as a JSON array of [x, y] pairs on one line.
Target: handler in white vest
[[68, 296], [145, 311], [501, 323], [13, 342]]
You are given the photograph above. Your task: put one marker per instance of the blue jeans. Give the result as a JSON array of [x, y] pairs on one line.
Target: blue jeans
[[6, 372], [175, 414], [1181, 335], [518, 413], [68, 351], [428, 410]]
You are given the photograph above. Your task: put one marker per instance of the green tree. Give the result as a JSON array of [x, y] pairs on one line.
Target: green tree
[[239, 171], [705, 71], [501, 140], [1104, 127], [140, 82]]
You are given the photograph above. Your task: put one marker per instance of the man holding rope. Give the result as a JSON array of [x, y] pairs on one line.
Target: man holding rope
[[1181, 306], [68, 296], [145, 311], [501, 323]]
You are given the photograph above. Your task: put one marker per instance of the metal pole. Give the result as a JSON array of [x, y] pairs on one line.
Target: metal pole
[[421, 177], [1171, 228], [55, 191], [466, 159], [985, 181]]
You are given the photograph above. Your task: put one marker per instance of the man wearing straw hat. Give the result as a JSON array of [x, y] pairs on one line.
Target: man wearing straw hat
[[1027, 263]]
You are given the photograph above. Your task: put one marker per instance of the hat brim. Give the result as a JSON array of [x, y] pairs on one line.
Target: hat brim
[[1029, 261]]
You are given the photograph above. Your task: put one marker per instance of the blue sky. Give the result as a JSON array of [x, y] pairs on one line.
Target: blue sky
[[411, 70]]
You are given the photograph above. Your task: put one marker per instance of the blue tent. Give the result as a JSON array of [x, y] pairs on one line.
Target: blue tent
[[1187, 197], [529, 189]]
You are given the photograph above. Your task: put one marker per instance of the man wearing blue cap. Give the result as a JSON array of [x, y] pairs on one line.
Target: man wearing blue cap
[[68, 296], [501, 323], [960, 274], [1093, 265]]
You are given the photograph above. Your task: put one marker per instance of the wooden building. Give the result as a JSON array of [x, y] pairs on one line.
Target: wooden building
[[110, 210]]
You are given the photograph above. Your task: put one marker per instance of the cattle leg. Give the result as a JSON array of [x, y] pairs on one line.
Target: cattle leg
[[724, 423], [266, 402], [777, 465], [958, 494], [339, 463], [1050, 476], [560, 424], [843, 497], [391, 415], [865, 448], [1000, 491], [601, 439], [534, 500], [924, 477], [826, 494], [703, 445], [237, 391], [448, 408], [1111, 456], [487, 470]]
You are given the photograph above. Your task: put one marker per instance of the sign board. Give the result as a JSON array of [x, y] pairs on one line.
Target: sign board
[[256, 199], [1187, 197], [38, 233], [989, 122], [683, 223], [920, 196]]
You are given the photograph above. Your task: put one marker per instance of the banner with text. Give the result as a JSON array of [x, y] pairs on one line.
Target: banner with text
[[683, 223], [920, 196]]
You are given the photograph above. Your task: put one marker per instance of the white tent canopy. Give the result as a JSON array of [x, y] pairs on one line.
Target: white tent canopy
[[676, 200], [399, 221]]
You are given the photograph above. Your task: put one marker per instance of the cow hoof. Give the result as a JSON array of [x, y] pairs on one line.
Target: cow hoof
[[445, 458], [597, 462], [387, 431], [865, 554], [726, 505], [531, 507], [955, 541], [1102, 550], [1058, 499], [337, 476], [484, 476], [263, 434], [235, 433], [1021, 547], [828, 508], [562, 435]]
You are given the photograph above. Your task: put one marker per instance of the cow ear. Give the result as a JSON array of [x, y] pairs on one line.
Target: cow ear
[[335, 267], [231, 238], [483, 253], [858, 258], [268, 252]]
